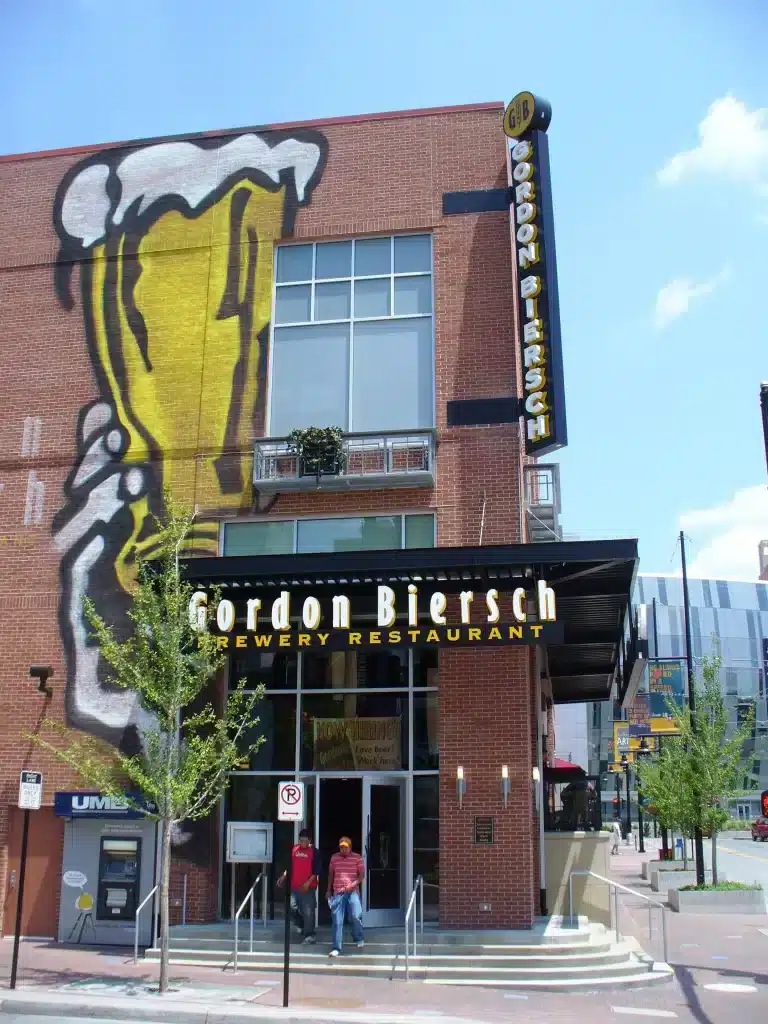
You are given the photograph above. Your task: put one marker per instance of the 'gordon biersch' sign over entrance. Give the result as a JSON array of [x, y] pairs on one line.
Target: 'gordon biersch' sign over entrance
[[526, 121], [284, 626]]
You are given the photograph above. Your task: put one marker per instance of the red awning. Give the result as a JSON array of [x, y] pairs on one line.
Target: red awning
[[563, 771]]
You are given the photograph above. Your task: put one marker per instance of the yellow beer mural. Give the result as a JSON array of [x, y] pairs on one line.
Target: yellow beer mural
[[172, 246]]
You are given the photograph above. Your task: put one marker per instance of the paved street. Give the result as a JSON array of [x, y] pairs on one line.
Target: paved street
[[740, 859]]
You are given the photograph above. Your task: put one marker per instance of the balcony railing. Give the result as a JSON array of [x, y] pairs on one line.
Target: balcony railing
[[397, 458], [542, 502]]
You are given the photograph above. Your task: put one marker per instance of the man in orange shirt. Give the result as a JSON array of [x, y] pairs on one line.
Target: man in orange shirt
[[346, 874]]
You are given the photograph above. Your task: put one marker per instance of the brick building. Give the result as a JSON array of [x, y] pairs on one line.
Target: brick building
[[171, 310]]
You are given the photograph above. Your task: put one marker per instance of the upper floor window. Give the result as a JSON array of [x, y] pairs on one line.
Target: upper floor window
[[352, 342], [337, 533]]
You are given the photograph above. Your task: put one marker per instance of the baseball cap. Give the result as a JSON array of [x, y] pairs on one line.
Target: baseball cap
[[305, 834]]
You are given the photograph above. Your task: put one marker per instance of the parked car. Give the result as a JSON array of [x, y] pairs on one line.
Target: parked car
[[760, 830]]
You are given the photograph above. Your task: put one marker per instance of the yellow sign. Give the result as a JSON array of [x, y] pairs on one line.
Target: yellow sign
[[526, 112], [357, 744]]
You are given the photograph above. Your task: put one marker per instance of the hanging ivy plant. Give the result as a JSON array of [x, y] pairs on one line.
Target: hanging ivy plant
[[320, 450]]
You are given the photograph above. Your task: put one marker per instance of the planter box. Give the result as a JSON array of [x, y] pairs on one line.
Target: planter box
[[665, 881], [738, 901], [649, 866]]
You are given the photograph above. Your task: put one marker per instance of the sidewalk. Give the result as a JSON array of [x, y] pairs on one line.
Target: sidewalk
[[704, 950]]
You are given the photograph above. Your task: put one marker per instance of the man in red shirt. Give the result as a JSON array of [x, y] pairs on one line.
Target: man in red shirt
[[305, 869], [346, 874]]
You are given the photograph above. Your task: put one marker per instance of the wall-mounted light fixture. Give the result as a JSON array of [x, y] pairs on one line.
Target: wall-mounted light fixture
[[505, 787], [535, 774], [461, 786], [42, 673]]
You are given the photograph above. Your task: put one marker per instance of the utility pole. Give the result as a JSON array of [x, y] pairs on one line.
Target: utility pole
[[698, 842], [764, 411]]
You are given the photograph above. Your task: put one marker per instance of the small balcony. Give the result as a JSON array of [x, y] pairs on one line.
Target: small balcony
[[542, 502], [371, 461]]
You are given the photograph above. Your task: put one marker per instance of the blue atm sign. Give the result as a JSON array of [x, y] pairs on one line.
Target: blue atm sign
[[97, 805]]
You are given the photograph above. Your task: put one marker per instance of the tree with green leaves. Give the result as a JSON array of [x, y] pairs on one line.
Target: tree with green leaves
[[195, 739], [691, 780]]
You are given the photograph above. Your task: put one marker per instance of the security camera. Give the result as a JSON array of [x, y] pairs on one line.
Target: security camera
[[42, 673]]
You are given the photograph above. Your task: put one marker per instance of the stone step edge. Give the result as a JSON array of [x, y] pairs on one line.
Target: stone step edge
[[393, 949], [660, 973], [340, 966], [623, 949]]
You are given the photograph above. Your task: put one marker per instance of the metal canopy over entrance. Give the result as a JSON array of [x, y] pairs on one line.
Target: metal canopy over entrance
[[593, 581]]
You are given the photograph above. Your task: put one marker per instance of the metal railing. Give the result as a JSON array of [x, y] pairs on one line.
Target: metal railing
[[376, 457], [418, 891], [139, 909], [261, 877], [633, 892]]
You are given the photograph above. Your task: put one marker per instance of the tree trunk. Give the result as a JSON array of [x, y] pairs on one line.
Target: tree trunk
[[714, 858], [685, 853], [165, 878]]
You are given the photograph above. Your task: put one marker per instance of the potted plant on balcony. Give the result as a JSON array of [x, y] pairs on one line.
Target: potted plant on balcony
[[320, 450]]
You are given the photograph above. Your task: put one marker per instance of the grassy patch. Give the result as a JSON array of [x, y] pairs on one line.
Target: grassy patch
[[721, 887]]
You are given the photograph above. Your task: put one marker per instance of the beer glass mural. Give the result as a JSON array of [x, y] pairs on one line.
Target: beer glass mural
[[168, 250]]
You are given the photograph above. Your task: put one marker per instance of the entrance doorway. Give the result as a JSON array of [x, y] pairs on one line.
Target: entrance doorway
[[371, 810]]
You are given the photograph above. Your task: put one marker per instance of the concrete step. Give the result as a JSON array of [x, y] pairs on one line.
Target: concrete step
[[268, 947], [630, 969], [302, 957], [653, 975]]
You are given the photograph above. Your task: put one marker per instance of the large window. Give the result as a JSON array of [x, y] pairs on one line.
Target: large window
[[353, 533], [352, 335]]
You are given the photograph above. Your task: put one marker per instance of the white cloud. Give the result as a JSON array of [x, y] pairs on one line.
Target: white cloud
[[733, 143], [725, 538], [675, 297]]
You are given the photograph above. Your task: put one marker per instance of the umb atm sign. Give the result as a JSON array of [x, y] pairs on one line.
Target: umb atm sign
[[97, 805]]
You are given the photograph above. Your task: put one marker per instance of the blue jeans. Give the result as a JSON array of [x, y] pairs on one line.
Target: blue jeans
[[346, 903], [303, 908]]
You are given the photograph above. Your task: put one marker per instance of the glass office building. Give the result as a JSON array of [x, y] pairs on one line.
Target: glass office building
[[729, 618]]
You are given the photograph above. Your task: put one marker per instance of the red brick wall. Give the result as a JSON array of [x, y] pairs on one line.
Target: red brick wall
[[382, 175], [485, 714]]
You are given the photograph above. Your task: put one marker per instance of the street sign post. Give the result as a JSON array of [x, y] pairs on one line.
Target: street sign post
[[30, 791], [290, 801], [30, 799], [290, 807]]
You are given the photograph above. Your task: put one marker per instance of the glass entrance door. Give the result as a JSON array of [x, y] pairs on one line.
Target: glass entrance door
[[384, 837]]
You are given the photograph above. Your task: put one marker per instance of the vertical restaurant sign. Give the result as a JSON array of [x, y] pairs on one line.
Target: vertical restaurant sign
[[526, 121]]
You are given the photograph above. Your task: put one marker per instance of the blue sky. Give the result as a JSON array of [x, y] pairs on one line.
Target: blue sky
[[660, 174]]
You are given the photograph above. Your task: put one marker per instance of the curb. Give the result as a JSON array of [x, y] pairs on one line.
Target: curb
[[175, 1011]]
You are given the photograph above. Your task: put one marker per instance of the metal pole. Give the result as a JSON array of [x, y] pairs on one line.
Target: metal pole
[[629, 817], [232, 890], [616, 910], [287, 939], [264, 894], [250, 947], [421, 903], [570, 899], [184, 903], [764, 411], [237, 942], [664, 933], [697, 837], [640, 820], [20, 901]]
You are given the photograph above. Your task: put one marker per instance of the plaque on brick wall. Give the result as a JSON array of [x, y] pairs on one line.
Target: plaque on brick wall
[[483, 831]]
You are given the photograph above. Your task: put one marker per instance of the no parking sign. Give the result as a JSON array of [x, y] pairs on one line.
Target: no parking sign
[[290, 801]]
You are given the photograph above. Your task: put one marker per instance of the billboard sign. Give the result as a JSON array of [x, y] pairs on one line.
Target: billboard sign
[[666, 681], [526, 121]]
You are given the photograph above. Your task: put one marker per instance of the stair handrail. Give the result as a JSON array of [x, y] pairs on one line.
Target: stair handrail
[[139, 909], [624, 888], [418, 888], [259, 877]]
